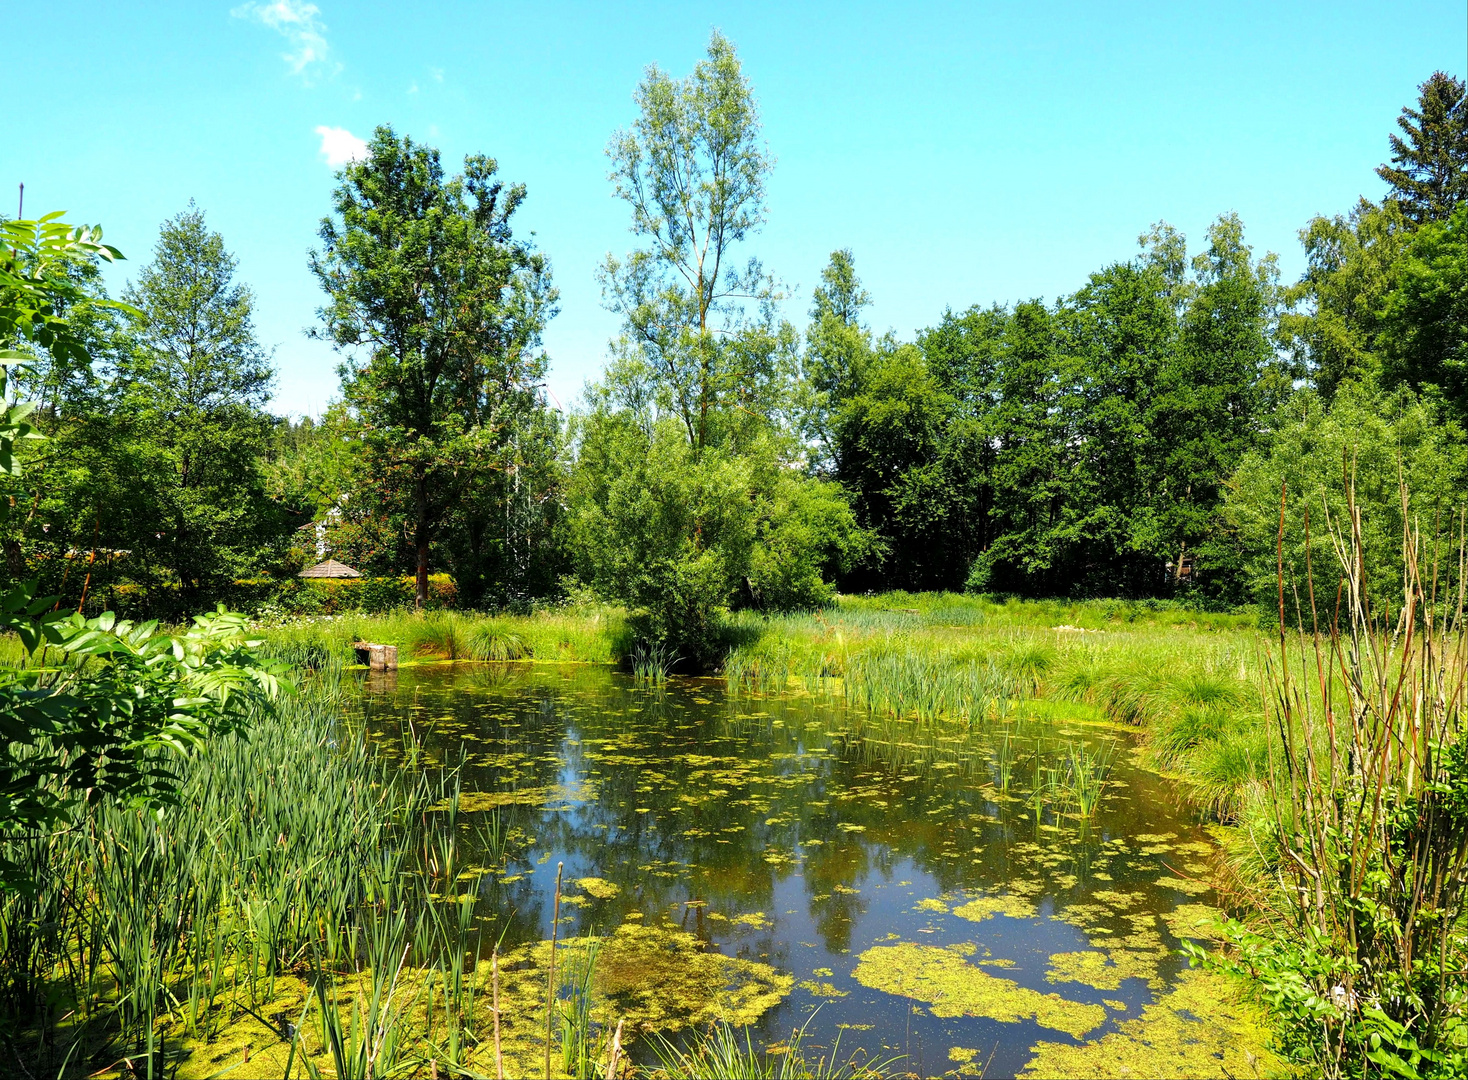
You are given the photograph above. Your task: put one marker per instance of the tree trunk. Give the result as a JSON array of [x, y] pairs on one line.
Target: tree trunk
[[421, 536]]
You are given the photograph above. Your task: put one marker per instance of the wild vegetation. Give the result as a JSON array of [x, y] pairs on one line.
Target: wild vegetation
[[1214, 515]]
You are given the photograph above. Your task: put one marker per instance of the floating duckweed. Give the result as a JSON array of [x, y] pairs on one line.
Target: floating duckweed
[[473, 802], [986, 907], [1200, 921], [598, 887], [1115, 899], [932, 904], [951, 986], [1105, 969], [1191, 886], [656, 977], [962, 1054], [755, 920], [1203, 1028]]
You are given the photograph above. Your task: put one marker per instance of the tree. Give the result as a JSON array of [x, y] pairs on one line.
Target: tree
[[1424, 319], [189, 396], [1330, 318], [838, 348], [1377, 439], [438, 309], [1429, 170], [681, 535], [693, 171], [93, 716], [1222, 383]]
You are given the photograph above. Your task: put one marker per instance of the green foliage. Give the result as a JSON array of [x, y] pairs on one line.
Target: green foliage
[[438, 310], [1368, 438], [85, 722], [95, 705], [1080, 448], [692, 171], [1429, 169], [34, 290], [680, 535], [1333, 314], [1424, 320]]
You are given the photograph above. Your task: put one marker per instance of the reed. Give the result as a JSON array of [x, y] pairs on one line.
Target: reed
[[1361, 833], [723, 1053]]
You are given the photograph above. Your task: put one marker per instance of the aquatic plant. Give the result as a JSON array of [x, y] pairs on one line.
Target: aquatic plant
[[653, 661], [719, 1053], [951, 986], [1203, 1027], [1082, 778], [1362, 831]]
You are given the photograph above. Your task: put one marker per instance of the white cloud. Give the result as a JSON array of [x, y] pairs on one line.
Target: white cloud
[[300, 24], [339, 146], [437, 74]]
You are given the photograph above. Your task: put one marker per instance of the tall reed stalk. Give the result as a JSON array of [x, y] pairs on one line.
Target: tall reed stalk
[[1364, 830]]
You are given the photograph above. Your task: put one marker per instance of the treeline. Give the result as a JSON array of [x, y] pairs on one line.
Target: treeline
[[1130, 439]]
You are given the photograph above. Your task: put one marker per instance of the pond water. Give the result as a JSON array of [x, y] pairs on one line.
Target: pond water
[[912, 886]]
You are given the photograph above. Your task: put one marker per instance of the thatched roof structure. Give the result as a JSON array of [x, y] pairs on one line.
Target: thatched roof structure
[[329, 569]]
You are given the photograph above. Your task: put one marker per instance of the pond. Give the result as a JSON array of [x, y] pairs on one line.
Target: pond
[[934, 896]]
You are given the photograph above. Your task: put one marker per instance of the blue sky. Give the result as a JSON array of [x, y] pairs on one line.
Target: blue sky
[[967, 153]]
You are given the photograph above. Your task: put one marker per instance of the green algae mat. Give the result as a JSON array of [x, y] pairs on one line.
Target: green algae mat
[[928, 894]]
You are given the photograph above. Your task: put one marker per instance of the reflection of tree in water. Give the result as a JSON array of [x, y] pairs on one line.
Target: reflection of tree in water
[[731, 796], [833, 874]]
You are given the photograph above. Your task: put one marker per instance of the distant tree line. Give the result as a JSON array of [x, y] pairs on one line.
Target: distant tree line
[[1133, 438]]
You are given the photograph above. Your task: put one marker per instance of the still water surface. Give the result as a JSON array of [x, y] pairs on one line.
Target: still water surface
[[867, 861]]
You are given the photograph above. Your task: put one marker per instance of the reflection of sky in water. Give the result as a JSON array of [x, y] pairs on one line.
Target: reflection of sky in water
[[781, 830]]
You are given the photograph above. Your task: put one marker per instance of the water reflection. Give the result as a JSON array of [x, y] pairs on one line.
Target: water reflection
[[798, 833]]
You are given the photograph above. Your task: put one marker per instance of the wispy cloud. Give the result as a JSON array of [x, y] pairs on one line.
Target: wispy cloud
[[300, 24], [339, 146]]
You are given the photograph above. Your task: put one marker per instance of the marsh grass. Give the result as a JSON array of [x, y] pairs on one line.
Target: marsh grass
[[1359, 834], [591, 635], [303, 885], [723, 1052], [921, 666]]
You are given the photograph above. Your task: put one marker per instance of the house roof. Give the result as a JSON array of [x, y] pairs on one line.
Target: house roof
[[329, 569]]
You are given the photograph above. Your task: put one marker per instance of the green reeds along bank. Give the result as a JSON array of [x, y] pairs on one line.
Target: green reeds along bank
[[1186, 683], [154, 938], [595, 635]]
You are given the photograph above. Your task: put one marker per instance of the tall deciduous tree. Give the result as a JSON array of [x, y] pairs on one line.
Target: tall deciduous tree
[[692, 169], [1424, 319], [191, 393], [1429, 167], [438, 309]]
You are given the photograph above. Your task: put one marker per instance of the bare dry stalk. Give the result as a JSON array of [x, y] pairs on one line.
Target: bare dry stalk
[[1370, 833], [616, 1052]]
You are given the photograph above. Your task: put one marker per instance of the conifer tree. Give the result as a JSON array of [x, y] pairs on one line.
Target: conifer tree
[[1429, 169]]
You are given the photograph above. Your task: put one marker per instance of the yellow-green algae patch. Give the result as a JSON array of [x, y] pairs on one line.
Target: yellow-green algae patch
[[598, 887], [1200, 921], [986, 907], [1201, 1029], [653, 977], [1105, 969], [1191, 886], [951, 986]]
